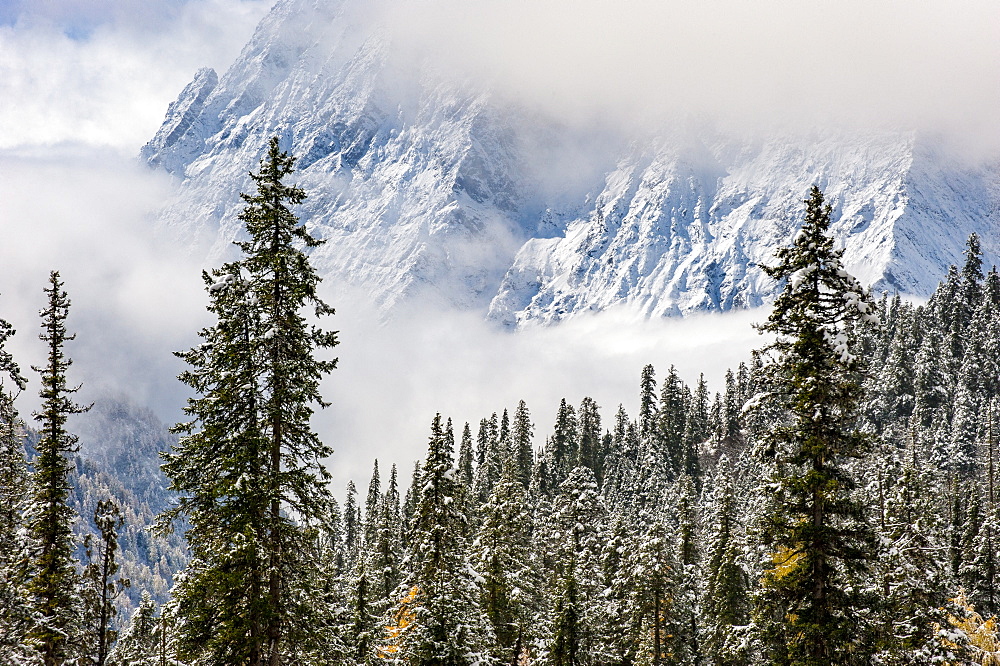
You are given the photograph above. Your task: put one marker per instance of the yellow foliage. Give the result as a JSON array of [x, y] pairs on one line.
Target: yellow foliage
[[785, 561], [982, 634], [404, 618]]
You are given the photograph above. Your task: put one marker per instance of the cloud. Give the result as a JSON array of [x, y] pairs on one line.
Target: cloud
[[103, 73], [393, 377], [85, 210], [134, 298], [137, 298], [929, 65]]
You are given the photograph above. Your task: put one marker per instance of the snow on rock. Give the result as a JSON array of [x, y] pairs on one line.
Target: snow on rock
[[679, 228], [425, 186]]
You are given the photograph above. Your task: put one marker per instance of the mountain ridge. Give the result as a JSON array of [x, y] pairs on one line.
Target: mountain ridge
[[428, 187]]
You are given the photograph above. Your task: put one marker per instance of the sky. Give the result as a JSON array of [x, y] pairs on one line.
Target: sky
[[84, 84], [930, 64]]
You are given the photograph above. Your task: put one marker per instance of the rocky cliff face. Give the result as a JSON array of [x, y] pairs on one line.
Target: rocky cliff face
[[685, 224], [425, 186]]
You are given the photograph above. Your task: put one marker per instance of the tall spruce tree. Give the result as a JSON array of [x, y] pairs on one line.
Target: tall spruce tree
[[561, 448], [248, 466], [14, 489], [670, 424], [54, 583], [647, 401], [818, 538], [523, 449], [590, 447]]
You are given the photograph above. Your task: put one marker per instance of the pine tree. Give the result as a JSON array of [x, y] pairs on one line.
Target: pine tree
[[983, 560], [466, 473], [353, 529], [726, 606], [383, 559], [502, 556], [670, 425], [15, 615], [372, 503], [137, 644], [655, 572], [410, 504], [620, 473], [54, 584], [561, 450], [696, 430], [731, 407], [818, 536], [911, 570], [590, 444], [567, 632], [102, 584], [575, 544], [248, 467], [489, 458], [439, 621], [522, 441], [685, 636], [647, 401], [363, 616]]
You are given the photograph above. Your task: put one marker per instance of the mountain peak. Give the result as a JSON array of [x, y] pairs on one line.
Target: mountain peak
[[429, 186]]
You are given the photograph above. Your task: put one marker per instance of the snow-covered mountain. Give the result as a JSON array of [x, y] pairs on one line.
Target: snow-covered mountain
[[428, 186]]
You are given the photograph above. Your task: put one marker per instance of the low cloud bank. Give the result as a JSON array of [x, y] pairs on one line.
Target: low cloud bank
[[135, 298], [393, 378]]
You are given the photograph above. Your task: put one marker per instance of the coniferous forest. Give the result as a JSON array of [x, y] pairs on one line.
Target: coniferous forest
[[833, 503]]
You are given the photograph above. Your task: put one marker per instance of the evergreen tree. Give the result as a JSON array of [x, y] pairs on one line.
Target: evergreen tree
[[363, 617], [731, 407], [726, 606], [410, 504], [465, 467], [647, 401], [911, 568], [671, 421], [819, 539], [561, 450], [697, 429], [522, 443], [353, 529], [383, 559], [439, 622], [15, 615], [372, 507], [502, 556], [685, 646], [247, 467], [655, 574], [983, 560], [590, 445], [137, 644], [620, 467], [392, 513], [489, 458], [567, 632], [103, 585], [575, 540], [620, 635], [54, 583]]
